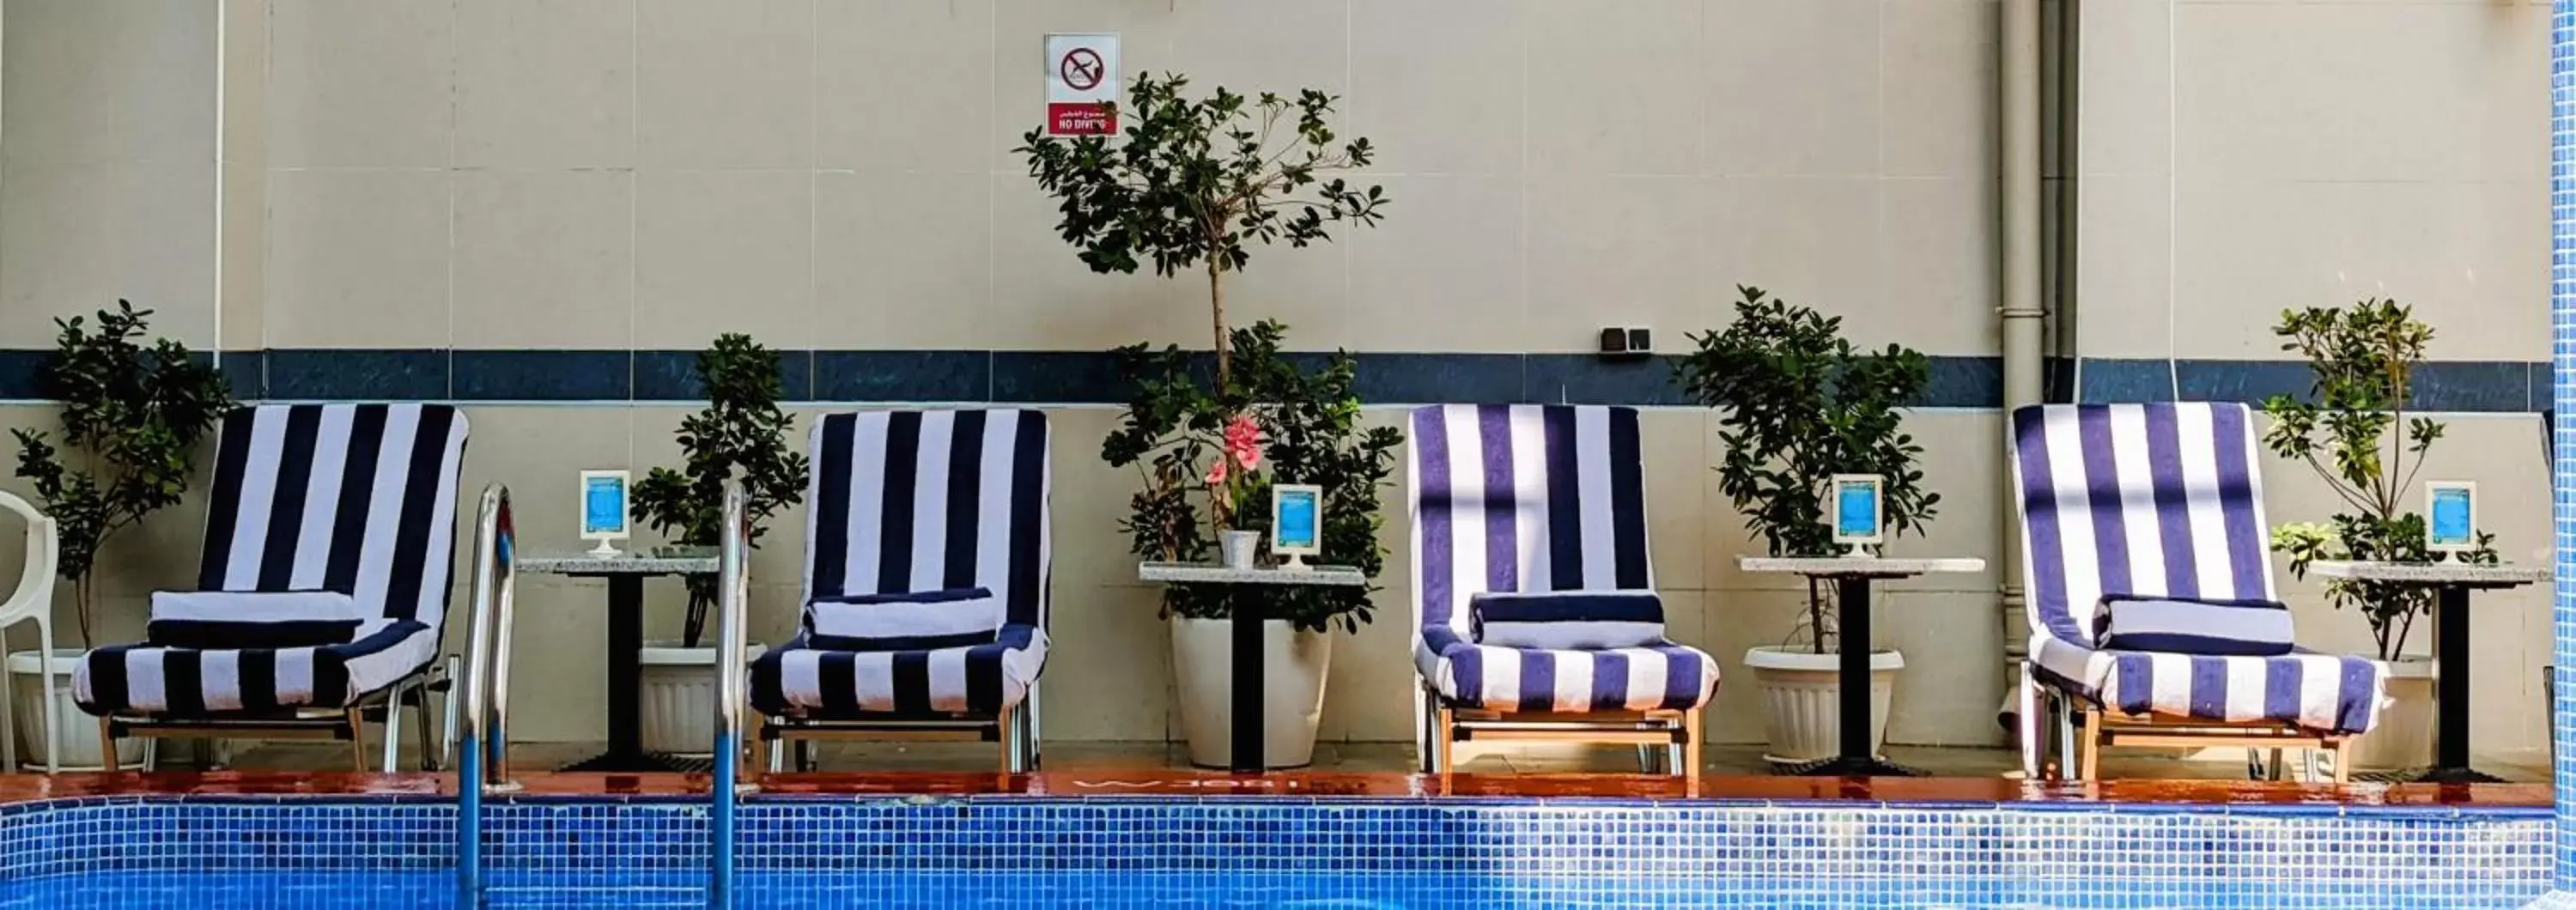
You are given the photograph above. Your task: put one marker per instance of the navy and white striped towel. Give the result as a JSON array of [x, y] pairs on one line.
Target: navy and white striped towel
[[252, 619], [1568, 620], [923, 621], [257, 606], [2177, 625]]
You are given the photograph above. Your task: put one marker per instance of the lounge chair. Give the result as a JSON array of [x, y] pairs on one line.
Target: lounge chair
[[918, 521], [321, 592], [2163, 504], [1544, 506]]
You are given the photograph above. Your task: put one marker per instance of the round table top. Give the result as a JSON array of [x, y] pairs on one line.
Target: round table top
[[1859, 566], [657, 561]]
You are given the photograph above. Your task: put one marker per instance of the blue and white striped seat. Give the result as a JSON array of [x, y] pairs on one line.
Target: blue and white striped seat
[[356, 499], [2162, 500], [915, 502], [1531, 498]]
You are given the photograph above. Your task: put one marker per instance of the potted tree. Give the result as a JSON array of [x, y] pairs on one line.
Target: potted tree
[[1197, 182], [741, 433], [132, 420], [1203, 453], [2355, 433], [1801, 404]]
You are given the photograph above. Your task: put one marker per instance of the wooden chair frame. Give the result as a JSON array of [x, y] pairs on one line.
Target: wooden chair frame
[[1015, 730], [1673, 730], [2093, 727], [345, 724]]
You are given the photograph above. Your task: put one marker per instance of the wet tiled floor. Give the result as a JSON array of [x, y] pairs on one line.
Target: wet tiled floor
[[1362, 758]]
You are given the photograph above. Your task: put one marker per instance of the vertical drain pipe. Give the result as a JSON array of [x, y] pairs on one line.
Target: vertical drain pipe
[[2022, 314]]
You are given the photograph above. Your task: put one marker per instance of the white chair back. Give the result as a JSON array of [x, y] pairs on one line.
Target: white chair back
[[35, 593]]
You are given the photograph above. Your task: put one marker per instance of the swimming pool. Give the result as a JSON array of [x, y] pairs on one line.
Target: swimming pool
[[1419, 854]]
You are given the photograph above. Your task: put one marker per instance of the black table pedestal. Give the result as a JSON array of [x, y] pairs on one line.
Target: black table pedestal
[[1855, 708], [2451, 691], [626, 753], [1248, 617]]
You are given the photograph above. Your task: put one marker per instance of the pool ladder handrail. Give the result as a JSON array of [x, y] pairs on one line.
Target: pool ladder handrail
[[483, 763], [733, 600]]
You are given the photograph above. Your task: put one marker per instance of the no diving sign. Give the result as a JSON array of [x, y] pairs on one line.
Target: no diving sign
[[1082, 84]]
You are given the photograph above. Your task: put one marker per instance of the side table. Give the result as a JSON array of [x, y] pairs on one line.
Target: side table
[[625, 574], [1247, 619], [2451, 583], [1852, 576]]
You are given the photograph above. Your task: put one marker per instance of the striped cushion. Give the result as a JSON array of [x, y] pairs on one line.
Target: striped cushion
[[1568, 619], [910, 501], [2249, 628], [185, 682], [1662, 677], [800, 679], [1536, 499], [928, 621], [349, 500], [2163, 501], [2325, 692]]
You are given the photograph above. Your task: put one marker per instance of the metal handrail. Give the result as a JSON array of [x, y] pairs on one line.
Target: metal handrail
[[733, 598], [483, 759]]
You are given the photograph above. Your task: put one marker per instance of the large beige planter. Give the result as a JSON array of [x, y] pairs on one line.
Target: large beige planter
[[79, 736], [2403, 740], [1295, 661], [677, 708], [1801, 700]]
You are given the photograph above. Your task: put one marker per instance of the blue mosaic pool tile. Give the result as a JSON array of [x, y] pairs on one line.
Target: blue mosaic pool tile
[[1113, 852]]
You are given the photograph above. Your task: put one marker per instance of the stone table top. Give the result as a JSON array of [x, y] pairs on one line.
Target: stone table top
[[657, 561], [1203, 573], [1858, 566], [2434, 573]]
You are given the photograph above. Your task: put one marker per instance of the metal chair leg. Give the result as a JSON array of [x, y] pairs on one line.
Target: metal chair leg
[[54, 717], [393, 728], [2032, 740], [1426, 730]]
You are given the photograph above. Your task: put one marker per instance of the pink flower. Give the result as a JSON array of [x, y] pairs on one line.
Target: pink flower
[[1243, 442], [1216, 473]]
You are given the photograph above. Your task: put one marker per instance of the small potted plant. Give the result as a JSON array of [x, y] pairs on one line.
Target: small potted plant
[[1207, 461], [2355, 433], [1801, 404], [132, 420], [742, 433]]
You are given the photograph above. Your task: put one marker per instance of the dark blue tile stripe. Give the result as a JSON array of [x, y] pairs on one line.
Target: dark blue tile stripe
[[1090, 377]]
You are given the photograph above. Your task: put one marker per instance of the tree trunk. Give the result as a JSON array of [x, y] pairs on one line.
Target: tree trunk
[[1216, 306], [82, 607]]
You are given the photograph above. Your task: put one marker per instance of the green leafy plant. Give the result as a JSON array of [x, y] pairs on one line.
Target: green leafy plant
[[742, 433], [2357, 437], [1801, 404], [132, 418], [1198, 181], [1309, 421]]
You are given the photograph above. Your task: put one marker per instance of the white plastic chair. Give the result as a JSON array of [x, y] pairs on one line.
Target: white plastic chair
[[32, 602]]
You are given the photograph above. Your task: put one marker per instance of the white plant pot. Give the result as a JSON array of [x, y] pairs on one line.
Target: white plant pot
[[2403, 739], [1294, 662], [678, 703], [79, 736], [1801, 700], [1239, 548]]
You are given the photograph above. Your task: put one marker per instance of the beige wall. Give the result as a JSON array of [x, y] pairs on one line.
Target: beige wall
[[835, 174], [2238, 158]]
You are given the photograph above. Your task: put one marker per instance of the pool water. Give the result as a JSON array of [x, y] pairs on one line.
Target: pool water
[[427, 889], [1418, 854]]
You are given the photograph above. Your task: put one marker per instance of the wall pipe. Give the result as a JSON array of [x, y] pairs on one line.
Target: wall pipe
[[2022, 315]]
